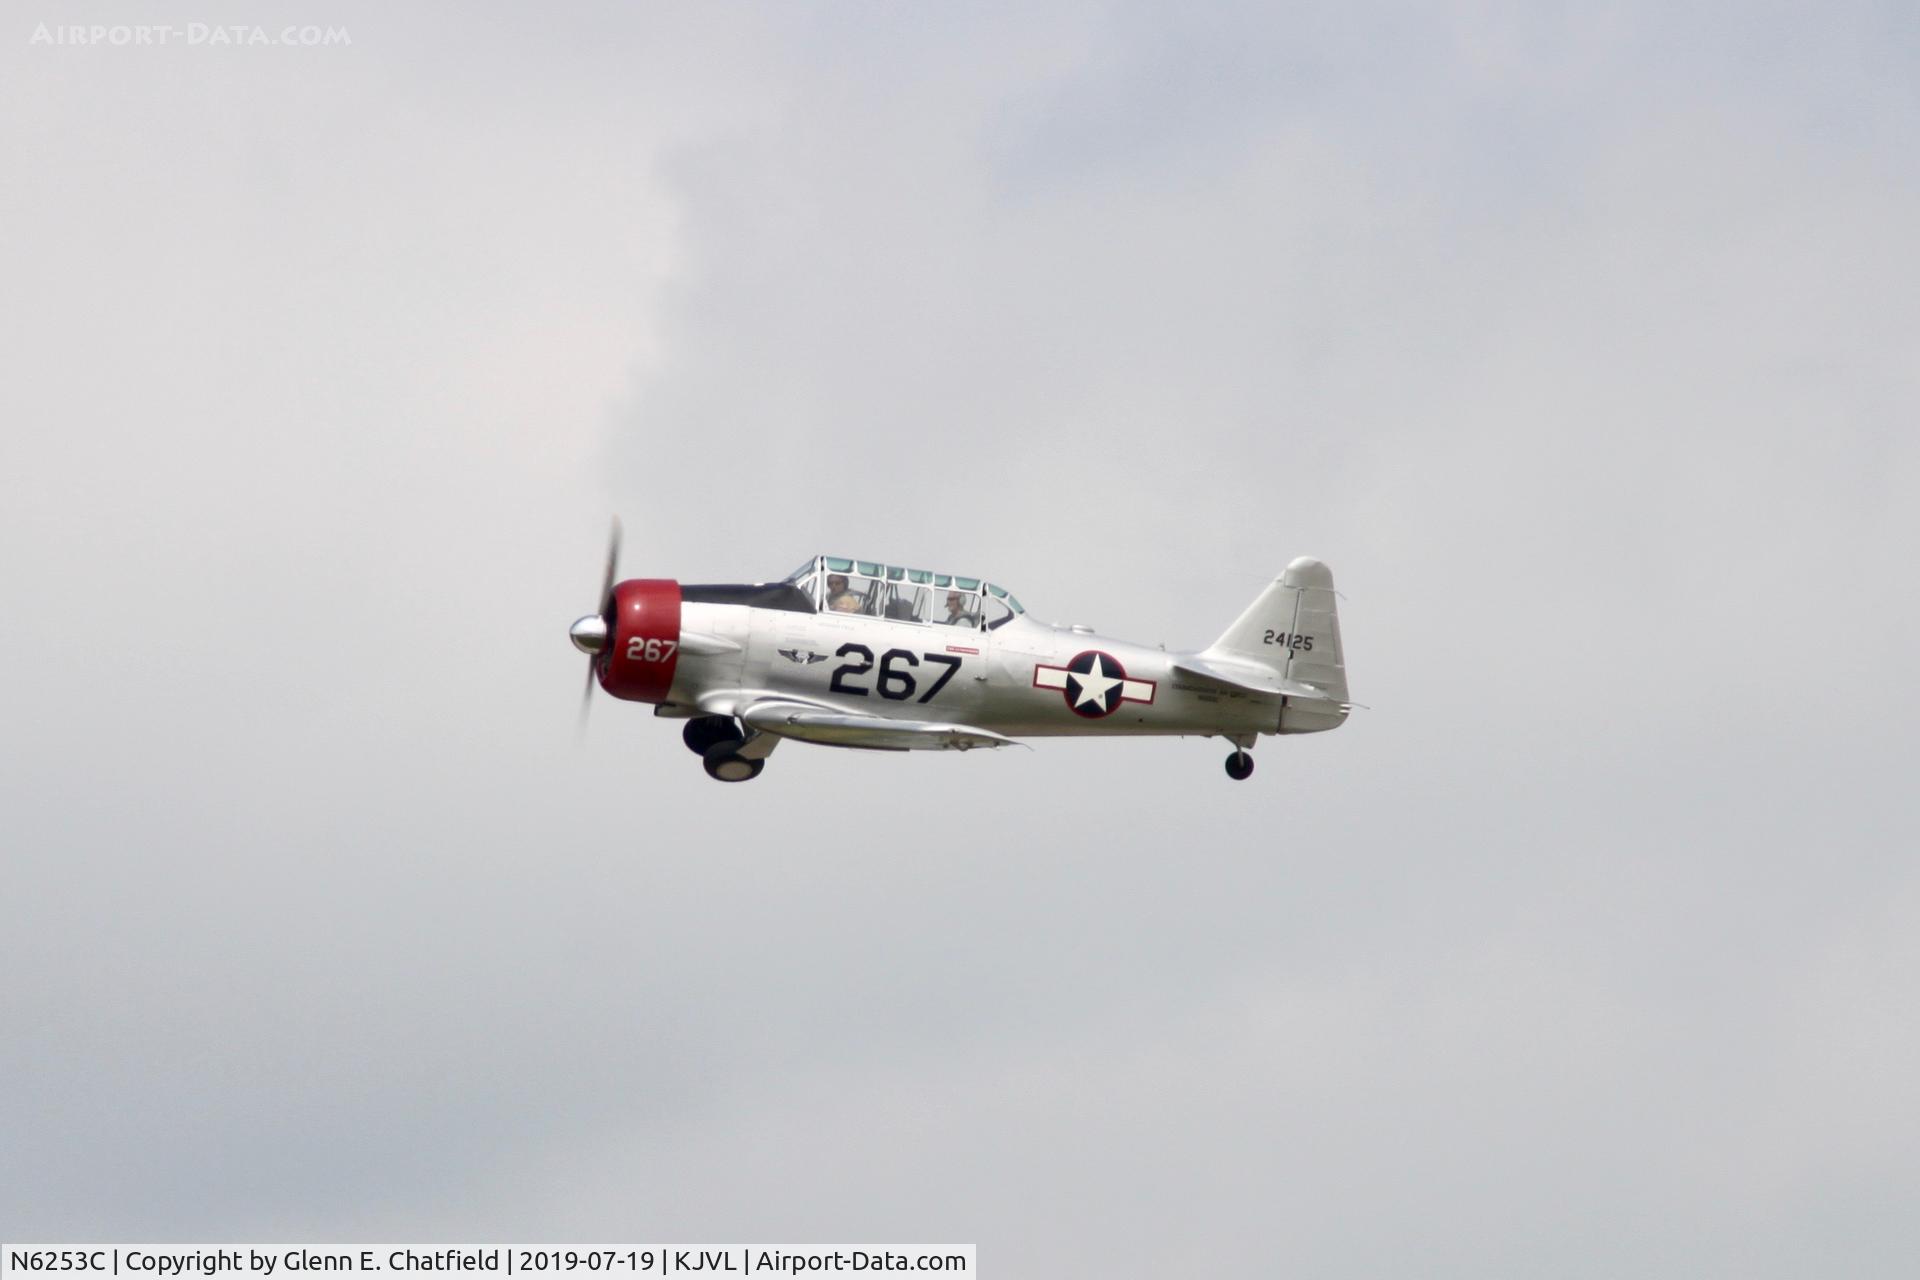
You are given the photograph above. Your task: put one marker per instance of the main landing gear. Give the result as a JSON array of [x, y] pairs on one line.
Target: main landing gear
[[1239, 766], [729, 755], [726, 764]]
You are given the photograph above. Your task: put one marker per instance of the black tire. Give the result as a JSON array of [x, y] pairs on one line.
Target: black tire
[[1239, 766], [724, 764], [703, 732]]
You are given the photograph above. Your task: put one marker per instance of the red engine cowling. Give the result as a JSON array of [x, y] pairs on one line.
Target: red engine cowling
[[643, 640]]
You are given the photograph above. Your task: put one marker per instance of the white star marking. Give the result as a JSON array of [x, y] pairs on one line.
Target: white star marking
[[1093, 685]]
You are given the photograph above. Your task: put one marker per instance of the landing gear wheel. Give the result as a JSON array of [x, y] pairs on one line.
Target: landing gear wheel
[[703, 732], [725, 764], [1239, 766]]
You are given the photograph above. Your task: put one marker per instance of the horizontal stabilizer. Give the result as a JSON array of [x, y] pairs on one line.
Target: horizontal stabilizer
[[841, 729], [1250, 676]]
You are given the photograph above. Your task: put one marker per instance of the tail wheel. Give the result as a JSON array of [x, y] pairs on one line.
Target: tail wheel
[[705, 732], [1239, 766], [725, 764]]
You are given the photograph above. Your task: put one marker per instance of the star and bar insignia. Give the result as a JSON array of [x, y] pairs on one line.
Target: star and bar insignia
[[1094, 684]]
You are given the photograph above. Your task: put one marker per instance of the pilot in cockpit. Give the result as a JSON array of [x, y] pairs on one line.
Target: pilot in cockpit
[[839, 598], [958, 615]]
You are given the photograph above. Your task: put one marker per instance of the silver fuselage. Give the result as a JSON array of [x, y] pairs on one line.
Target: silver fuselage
[[1007, 679]]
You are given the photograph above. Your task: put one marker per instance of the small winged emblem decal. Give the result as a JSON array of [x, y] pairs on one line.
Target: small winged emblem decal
[[808, 658]]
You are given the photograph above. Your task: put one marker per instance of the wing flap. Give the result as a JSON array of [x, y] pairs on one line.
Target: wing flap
[[840, 729]]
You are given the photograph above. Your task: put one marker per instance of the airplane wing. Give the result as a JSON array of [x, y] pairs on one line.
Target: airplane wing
[[1251, 676], [806, 723]]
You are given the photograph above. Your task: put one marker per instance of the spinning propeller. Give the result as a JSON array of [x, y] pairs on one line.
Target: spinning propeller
[[589, 634]]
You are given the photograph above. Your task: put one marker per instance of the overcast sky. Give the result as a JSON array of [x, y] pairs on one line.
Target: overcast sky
[[1584, 346]]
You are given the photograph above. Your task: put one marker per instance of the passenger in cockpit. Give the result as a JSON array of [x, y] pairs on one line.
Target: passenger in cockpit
[[839, 599], [957, 612]]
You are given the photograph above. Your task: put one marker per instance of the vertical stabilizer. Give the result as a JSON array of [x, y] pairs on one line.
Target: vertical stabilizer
[[1293, 629]]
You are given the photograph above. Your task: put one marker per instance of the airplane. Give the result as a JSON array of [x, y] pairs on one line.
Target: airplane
[[845, 652]]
